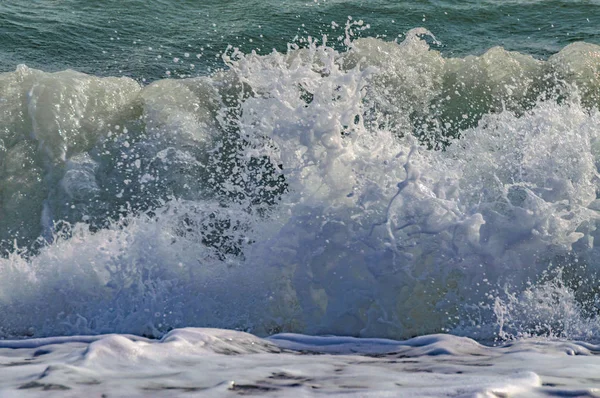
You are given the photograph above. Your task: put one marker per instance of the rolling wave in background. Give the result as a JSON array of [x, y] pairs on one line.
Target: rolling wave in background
[[379, 189]]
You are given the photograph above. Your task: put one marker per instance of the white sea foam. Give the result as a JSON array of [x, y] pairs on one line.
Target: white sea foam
[[212, 362]]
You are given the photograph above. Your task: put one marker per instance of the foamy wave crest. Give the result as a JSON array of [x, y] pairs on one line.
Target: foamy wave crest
[[383, 190]]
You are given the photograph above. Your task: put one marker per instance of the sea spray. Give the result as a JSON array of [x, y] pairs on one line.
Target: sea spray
[[381, 190]]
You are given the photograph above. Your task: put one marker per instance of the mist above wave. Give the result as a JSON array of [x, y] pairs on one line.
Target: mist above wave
[[306, 192]]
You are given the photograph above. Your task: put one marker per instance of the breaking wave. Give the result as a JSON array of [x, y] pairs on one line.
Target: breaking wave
[[379, 190]]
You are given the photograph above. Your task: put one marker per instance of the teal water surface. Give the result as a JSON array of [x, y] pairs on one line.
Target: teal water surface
[[160, 38]]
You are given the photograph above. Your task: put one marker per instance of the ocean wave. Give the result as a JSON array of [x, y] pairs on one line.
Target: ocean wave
[[382, 190]]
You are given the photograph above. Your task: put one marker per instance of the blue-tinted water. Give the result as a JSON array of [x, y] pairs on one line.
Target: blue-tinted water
[[364, 168]]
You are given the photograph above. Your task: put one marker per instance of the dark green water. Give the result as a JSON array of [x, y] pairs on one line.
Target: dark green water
[[150, 39]]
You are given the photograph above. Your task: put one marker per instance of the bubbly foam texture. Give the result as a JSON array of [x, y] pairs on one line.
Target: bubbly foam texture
[[306, 192], [222, 362]]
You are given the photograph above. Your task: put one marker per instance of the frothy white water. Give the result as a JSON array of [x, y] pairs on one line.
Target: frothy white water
[[300, 192], [214, 362]]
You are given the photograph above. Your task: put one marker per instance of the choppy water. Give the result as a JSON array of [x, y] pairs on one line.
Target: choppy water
[[352, 168]]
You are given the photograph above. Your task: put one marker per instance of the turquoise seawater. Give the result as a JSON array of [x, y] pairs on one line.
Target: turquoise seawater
[[141, 38]]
